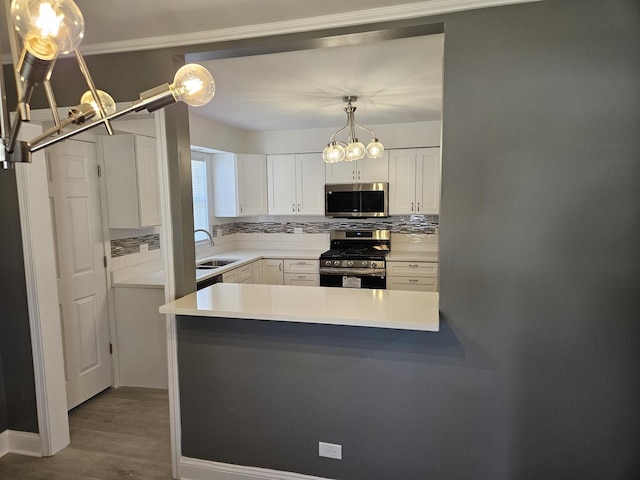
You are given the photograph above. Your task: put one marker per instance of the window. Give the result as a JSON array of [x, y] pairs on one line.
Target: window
[[200, 197]]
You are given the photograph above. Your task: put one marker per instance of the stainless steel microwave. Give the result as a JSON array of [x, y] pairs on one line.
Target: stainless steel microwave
[[356, 200]]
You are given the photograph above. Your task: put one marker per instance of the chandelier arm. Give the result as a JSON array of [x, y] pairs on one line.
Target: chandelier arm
[[22, 114], [134, 107], [87, 76], [333, 137], [364, 128], [48, 90]]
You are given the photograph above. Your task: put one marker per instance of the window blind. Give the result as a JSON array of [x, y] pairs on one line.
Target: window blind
[[200, 207]]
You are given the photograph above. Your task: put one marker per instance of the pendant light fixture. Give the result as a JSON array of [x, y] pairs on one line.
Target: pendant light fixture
[[352, 149], [49, 28]]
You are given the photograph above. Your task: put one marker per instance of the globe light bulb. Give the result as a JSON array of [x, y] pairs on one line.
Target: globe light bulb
[[354, 151], [375, 149], [193, 85], [48, 27], [107, 101], [333, 153]]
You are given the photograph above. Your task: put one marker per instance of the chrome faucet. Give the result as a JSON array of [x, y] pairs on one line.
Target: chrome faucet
[[206, 232]]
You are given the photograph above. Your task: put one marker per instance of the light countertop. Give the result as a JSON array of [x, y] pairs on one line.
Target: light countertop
[[393, 309]]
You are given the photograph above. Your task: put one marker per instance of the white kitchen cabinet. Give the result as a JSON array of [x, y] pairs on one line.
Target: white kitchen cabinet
[[131, 178], [414, 181], [272, 271], [239, 185], [243, 274], [414, 276], [301, 272], [366, 170], [141, 337], [296, 184]]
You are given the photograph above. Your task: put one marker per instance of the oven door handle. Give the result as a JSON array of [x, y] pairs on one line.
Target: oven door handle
[[351, 272]]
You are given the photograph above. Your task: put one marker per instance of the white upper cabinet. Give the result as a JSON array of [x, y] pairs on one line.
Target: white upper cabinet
[[366, 170], [239, 185], [296, 184], [131, 177], [414, 181]]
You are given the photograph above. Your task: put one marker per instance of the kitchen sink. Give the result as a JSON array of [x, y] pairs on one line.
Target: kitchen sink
[[211, 264]]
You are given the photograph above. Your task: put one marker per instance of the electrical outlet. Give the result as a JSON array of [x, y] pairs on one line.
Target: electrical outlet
[[144, 247], [330, 450], [297, 229]]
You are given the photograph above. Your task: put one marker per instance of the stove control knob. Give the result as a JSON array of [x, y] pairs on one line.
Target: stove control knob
[[327, 263], [374, 264], [365, 263], [350, 263], [336, 263]]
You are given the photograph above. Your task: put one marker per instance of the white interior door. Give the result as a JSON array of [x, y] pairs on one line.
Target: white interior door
[[82, 290]]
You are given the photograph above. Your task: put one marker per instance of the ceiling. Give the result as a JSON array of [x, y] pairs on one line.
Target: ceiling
[[397, 81]]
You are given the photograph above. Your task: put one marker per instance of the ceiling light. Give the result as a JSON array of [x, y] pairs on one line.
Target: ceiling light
[[49, 28], [352, 149]]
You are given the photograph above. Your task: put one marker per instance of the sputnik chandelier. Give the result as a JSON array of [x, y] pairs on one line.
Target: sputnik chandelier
[[48, 28], [352, 149]]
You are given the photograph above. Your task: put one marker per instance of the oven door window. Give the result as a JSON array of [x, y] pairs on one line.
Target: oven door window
[[348, 281]]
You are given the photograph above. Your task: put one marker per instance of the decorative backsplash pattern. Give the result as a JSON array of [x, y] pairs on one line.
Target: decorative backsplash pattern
[[405, 224], [127, 246], [410, 224]]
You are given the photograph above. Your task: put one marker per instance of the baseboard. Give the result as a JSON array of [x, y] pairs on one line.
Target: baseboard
[[21, 443], [4, 443], [194, 469]]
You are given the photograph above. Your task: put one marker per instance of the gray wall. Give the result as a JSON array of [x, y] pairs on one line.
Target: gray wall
[[535, 372], [17, 388]]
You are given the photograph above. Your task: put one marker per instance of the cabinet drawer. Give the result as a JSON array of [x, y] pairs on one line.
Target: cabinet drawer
[[416, 284], [301, 266], [308, 279], [412, 269], [231, 276]]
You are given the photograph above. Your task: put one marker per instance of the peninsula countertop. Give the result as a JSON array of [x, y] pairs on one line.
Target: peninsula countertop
[[394, 309]]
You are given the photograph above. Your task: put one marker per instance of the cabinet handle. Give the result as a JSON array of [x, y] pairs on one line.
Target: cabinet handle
[[358, 174], [353, 175], [298, 207], [293, 207], [240, 208], [280, 267], [301, 263], [418, 206], [413, 280], [412, 206], [301, 276], [414, 265]]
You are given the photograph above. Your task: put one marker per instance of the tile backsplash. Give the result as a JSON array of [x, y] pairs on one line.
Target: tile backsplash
[[413, 224], [404, 224]]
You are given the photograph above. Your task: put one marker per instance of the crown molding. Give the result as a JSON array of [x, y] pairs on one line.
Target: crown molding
[[400, 12]]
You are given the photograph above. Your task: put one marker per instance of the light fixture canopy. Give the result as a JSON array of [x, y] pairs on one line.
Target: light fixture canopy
[[352, 149], [48, 28]]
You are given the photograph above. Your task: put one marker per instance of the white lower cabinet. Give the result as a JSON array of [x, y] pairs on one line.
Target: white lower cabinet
[[272, 271], [301, 272], [141, 337], [414, 276], [243, 274]]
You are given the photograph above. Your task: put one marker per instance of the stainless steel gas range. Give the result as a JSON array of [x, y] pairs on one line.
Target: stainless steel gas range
[[356, 259]]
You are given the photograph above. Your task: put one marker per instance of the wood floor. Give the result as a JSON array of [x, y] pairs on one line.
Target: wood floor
[[119, 434]]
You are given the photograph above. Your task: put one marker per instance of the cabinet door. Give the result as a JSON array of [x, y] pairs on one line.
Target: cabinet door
[[428, 181], [226, 201], [257, 271], [373, 169], [272, 272], [341, 172], [231, 276], [281, 174], [147, 173], [402, 181], [252, 184], [310, 173]]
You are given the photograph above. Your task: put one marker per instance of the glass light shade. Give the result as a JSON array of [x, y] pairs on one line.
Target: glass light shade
[[375, 149], [107, 101], [333, 153], [48, 27], [193, 85], [354, 151]]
